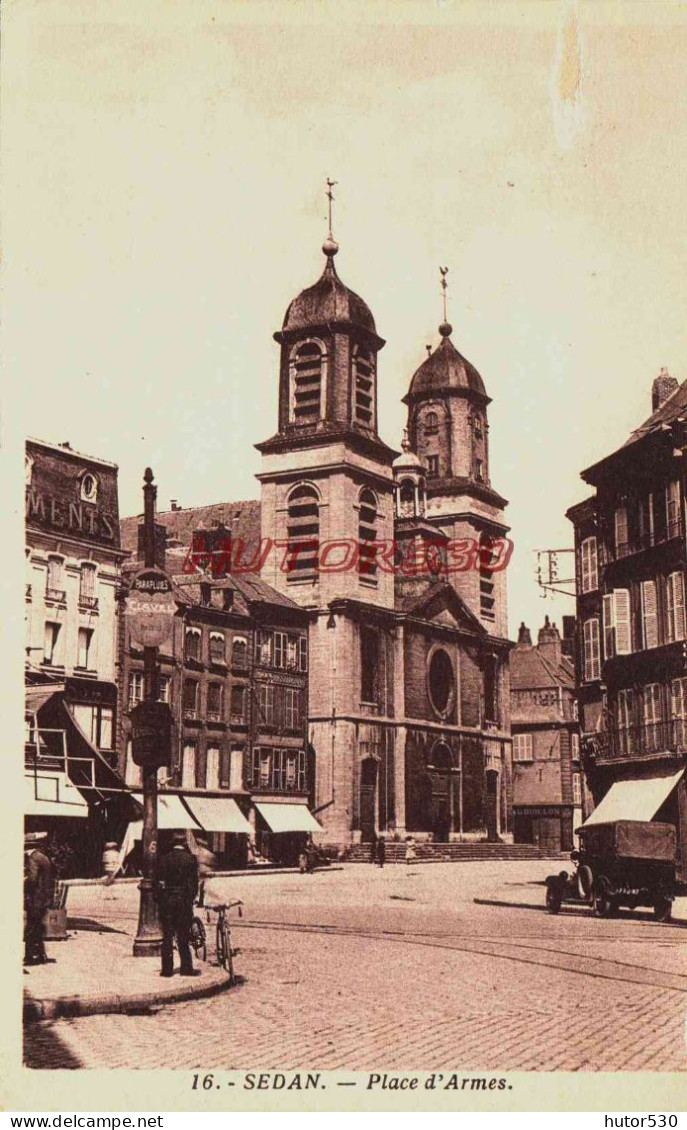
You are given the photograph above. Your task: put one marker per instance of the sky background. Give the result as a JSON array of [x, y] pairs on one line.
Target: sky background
[[164, 201]]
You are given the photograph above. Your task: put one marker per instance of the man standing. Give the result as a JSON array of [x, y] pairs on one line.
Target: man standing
[[39, 889], [178, 886], [381, 849]]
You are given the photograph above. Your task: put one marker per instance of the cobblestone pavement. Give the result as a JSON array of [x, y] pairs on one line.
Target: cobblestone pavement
[[400, 969]]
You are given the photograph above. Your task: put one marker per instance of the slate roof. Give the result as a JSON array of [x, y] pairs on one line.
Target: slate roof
[[242, 519], [329, 300], [445, 368], [529, 668]]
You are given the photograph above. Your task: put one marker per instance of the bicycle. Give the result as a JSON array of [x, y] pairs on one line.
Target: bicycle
[[198, 939], [224, 949]]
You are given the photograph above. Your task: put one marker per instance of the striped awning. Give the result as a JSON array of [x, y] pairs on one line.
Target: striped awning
[[218, 814]]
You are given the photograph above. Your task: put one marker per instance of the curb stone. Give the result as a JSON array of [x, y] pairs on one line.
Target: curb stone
[[36, 1009]]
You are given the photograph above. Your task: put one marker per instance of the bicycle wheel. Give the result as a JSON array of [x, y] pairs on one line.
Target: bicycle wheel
[[198, 939], [221, 944]]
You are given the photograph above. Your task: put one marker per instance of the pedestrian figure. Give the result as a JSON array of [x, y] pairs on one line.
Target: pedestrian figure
[[178, 887], [381, 849], [39, 890], [373, 848], [411, 854]]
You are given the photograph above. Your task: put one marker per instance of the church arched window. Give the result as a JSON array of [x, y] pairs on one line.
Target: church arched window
[[303, 531], [367, 534], [308, 370], [407, 498], [363, 391], [431, 424]]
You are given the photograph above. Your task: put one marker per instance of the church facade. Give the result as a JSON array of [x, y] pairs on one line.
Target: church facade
[[400, 561]]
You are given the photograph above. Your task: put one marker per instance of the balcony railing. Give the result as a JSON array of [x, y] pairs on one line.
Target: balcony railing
[[637, 741], [56, 596], [646, 540], [90, 602]]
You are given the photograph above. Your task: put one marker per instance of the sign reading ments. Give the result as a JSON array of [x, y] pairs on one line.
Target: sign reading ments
[[151, 734], [150, 608]]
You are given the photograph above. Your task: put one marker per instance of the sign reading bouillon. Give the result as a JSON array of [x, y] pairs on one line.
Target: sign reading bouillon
[[151, 734], [150, 608]]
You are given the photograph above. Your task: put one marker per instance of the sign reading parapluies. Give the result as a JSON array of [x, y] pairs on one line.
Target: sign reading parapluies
[[150, 608]]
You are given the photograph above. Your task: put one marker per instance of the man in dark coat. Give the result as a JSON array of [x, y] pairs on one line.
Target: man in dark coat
[[381, 849], [39, 890], [178, 887]]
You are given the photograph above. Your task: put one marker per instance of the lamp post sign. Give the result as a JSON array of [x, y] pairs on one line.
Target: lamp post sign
[[150, 608]]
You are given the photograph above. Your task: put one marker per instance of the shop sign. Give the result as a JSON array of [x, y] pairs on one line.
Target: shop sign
[[150, 608]]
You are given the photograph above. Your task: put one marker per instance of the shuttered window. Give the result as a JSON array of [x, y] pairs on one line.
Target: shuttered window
[[590, 569], [675, 606], [673, 509], [652, 717], [608, 624], [649, 614], [626, 720], [621, 543], [621, 619], [522, 747], [592, 659], [678, 711]]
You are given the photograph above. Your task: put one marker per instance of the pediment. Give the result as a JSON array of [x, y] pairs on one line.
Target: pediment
[[442, 604]]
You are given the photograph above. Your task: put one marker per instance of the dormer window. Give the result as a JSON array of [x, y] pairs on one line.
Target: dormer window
[[363, 379], [307, 373], [89, 488]]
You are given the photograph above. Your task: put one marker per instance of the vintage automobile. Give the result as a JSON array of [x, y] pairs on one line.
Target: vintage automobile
[[622, 863]]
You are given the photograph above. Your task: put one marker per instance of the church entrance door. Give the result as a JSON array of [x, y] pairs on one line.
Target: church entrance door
[[368, 798]]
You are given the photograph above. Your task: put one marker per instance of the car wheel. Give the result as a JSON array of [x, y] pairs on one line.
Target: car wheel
[[604, 904], [585, 883], [663, 909]]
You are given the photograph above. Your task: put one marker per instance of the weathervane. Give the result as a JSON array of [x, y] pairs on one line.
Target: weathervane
[[330, 198], [443, 271]]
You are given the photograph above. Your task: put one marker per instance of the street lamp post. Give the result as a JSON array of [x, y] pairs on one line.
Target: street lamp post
[[148, 940]]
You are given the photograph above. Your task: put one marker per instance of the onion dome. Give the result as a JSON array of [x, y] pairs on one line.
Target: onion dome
[[445, 369], [328, 302], [407, 460]]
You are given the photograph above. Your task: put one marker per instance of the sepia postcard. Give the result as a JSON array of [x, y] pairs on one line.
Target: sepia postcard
[[345, 634]]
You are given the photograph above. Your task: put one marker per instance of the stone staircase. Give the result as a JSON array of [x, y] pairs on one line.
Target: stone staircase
[[454, 852]]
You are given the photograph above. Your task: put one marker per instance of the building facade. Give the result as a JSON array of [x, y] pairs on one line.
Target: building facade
[[547, 777], [73, 568], [409, 700], [632, 655], [235, 674]]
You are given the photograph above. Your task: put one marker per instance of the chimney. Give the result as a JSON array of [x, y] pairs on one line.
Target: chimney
[[160, 544], [524, 637], [173, 504], [549, 643], [663, 387]]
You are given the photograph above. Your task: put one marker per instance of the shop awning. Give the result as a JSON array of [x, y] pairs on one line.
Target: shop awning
[[288, 817], [218, 814], [634, 800], [49, 793], [172, 813], [38, 696]]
